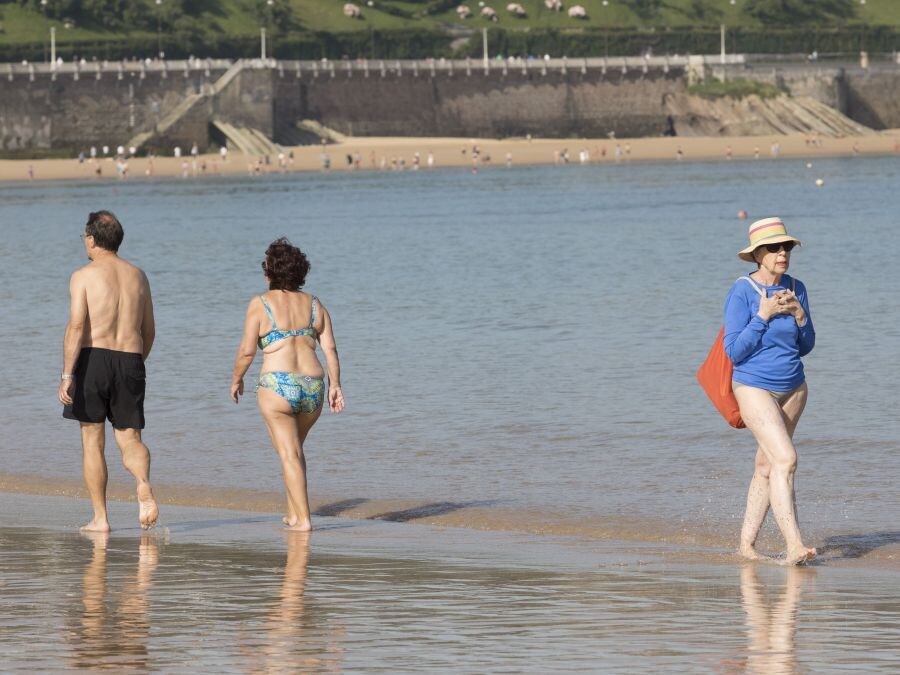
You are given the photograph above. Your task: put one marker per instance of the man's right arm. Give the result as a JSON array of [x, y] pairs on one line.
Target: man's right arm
[[74, 336], [148, 323]]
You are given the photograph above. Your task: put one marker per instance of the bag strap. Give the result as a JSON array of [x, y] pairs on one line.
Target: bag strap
[[756, 288]]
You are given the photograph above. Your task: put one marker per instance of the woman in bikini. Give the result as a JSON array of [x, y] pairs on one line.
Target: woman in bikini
[[285, 323], [767, 330]]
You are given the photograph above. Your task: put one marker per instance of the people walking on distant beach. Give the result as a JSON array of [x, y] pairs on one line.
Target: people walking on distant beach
[[108, 338], [291, 389], [767, 330]]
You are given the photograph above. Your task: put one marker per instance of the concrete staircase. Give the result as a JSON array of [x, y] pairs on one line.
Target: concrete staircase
[[187, 106], [755, 116], [246, 140]]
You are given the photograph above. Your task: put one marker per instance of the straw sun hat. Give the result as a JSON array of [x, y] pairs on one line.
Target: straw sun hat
[[765, 231]]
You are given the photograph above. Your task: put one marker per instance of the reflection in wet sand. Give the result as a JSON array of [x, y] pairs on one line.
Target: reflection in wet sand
[[772, 627], [114, 631], [287, 646]]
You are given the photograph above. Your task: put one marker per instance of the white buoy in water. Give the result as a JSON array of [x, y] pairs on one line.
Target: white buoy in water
[[809, 165], [820, 182]]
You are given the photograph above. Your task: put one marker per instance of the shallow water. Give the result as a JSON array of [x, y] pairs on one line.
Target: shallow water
[[524, 340], [227, 592]]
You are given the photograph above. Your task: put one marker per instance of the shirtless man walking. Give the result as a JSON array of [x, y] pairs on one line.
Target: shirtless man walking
[[108, 338]]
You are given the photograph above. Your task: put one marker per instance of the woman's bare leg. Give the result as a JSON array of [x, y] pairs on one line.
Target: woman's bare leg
[[757, 507], [288, 433], [758, 494], [765, 419]]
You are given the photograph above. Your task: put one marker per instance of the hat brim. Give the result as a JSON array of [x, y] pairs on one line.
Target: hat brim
[[747, 253]]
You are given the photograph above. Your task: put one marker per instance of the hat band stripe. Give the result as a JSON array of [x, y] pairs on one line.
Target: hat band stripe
[[767, 234], [763, 226], [756, 242]]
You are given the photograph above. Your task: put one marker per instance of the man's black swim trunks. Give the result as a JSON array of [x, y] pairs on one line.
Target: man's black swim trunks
[[108, 385]]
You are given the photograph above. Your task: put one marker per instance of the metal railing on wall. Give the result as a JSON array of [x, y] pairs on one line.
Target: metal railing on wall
[[421, 67]]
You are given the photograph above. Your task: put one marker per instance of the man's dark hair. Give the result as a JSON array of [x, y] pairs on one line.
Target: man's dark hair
[[106, 230]]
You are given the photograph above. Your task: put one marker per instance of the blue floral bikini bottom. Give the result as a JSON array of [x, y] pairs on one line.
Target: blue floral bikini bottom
[[304, 392]]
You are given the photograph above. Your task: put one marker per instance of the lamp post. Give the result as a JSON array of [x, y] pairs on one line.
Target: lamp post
[[159, 52], [44, 12], [262, 29]]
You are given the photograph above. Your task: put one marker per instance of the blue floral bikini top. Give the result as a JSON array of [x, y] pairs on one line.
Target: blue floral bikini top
[[276, 334]]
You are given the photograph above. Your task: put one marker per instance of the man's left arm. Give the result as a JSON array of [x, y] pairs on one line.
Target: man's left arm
[[148, 323], [74, 336]]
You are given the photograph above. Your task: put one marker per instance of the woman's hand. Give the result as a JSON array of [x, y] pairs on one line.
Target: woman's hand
[[237, 390], [769, 307], [788, 300], [335, 398]]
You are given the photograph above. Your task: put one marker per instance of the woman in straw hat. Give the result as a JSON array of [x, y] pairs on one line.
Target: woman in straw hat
[[767, 330]]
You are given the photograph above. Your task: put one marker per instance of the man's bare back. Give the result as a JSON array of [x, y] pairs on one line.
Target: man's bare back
[[118, 307]]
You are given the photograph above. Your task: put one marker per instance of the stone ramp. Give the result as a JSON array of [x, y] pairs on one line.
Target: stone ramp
[[247, 140], [754, 116]]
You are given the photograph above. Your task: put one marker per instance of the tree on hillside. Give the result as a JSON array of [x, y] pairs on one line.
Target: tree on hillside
[[787, 12]]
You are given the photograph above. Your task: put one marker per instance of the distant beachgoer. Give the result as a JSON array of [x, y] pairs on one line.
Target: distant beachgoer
[[618, 152], [105, 150], [508, 160], [756, 152], [430, 159], [93, 152], [729, 154], [108, 339], [291, 389], [767, 330], [679, 154], [223, 153], [176, 151], [81, 157], [775, 150], [195, 150], [30, 172]]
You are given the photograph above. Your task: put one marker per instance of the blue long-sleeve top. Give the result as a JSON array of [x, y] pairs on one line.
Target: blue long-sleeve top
[[766, 354]]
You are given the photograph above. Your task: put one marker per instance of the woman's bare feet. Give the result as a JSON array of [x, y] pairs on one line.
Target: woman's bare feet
[[750, 553], [296, 525], [799, 556], [96, 525], [149, 512]]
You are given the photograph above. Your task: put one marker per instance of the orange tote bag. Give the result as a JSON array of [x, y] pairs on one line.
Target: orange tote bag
[[715, 378]]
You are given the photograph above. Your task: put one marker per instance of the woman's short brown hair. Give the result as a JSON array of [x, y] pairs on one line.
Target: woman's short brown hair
[[285, 265]]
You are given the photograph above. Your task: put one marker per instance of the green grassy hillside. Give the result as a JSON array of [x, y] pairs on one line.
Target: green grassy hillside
[[396, 28]]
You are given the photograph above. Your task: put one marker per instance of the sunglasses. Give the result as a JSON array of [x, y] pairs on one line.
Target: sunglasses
[[775, 248]]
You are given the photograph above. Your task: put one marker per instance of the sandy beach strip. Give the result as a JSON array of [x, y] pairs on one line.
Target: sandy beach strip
[[374, 153], [683, 541]]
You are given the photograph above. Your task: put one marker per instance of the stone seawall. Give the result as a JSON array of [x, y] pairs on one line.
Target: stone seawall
[[482, 105], [73, 107]]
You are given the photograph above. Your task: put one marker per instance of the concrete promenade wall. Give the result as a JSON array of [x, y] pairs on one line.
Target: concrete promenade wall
[[72, 107], [573, 103], [96, 104]]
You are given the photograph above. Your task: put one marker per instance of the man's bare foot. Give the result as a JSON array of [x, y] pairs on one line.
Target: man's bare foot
[[96, 525], [799, 556], [297, 525], [149, 512], [751, 553]]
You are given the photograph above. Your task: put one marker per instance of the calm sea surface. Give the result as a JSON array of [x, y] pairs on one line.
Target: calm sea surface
[[523, 339]]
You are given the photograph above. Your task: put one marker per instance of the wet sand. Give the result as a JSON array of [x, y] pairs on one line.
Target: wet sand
[[661, 537], [230, 591], [386, 153]]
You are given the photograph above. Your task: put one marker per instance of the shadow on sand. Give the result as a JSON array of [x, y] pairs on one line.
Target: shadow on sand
[[857, 545]]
